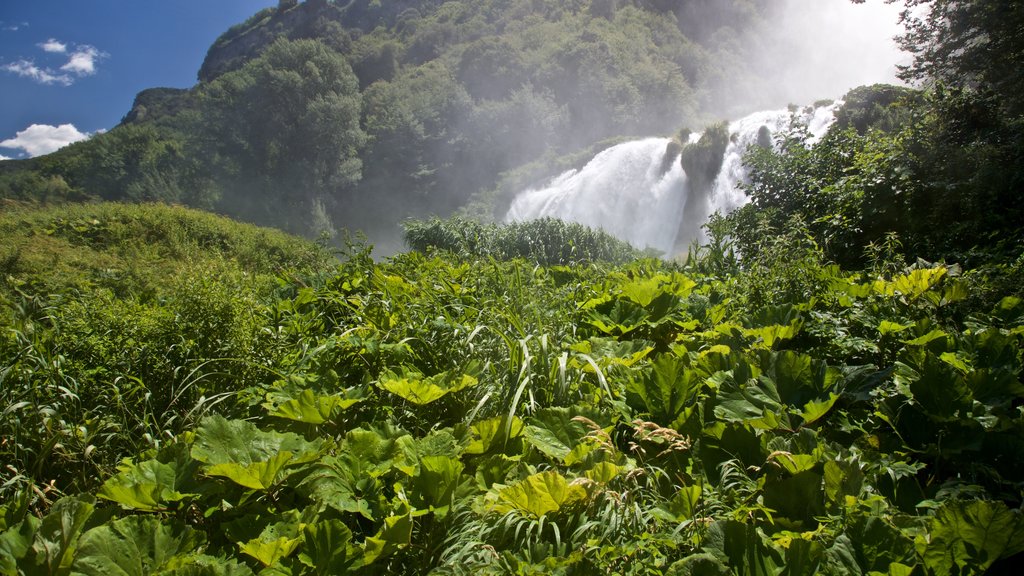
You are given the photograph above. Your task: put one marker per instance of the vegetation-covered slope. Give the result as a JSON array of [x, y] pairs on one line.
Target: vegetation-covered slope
[[437, 415]]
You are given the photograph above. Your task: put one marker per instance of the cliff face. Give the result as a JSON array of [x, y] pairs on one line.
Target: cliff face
[[334, 23], [247, 40]]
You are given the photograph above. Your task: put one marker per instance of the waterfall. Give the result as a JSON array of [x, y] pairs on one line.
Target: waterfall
[[623, 190], [627, 191]]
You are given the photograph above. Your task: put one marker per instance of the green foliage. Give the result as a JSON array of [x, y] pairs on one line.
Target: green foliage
[[444, 414], [165, 296], [895, 164], [545, 241]]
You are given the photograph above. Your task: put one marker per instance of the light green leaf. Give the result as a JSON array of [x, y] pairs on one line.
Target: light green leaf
[[603, 472], [202, 565], [886, 327], [269, 552], [927, 338], [311, 408], [15, 543], [392, 537], [539, 494], [434, 486], [665, 389], [554, 432], [148, 486], [842, 479], [699, 565], [255, 475], [684, 505], [769, 335], [815, 410], [490, 434], [914, 284], [56, 539], [421, 390]]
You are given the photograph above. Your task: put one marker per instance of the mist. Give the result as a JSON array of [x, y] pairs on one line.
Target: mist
[[811, 50]]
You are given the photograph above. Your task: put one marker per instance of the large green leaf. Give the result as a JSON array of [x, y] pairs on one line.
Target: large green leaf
[[767, 336], [309, 407], [327, 548], [798, 498], [699, 565], [151, 485], [683, 506], [842, 478], [57, 536], [555, 432], [937, 386], [755, 403], [912, 285], [375, 455], [841, 558], [135, 546], [665, 389], [966, 537], [539, 494], [492, 434], [421, 390], [15, 543], [392, 537], [434, 485], [268, 552], [878, 543], [335, 483], [799, 378], [239, 451], [278, 537], [744, 548], [202, 565]]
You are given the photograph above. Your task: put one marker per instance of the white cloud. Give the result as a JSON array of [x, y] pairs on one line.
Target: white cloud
[[80, 63], [39, 139], [2, 158], [83, 61], [28, 69], [54, 46], [13, 26]]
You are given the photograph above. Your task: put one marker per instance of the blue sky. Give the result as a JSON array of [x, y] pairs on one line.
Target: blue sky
[[69, 68]]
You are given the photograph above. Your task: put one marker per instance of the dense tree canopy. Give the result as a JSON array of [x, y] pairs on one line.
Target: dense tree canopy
[[284, 132]]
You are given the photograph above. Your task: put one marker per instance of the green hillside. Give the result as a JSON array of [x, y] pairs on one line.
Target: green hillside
[[445, 414], [317, 116]]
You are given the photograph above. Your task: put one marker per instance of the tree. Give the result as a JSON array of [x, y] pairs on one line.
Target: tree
[[977, 44], [283, 133]]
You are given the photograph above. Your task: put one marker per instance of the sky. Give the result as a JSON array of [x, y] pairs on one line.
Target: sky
[[72, 68]]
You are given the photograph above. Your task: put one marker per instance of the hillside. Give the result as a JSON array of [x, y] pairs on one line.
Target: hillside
[[447, 413], [318, 116]]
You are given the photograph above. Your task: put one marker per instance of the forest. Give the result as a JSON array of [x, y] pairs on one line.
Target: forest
[[831, 383]]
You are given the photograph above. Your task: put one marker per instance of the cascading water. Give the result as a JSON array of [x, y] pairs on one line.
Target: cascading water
[[627, 191], [624, 190]]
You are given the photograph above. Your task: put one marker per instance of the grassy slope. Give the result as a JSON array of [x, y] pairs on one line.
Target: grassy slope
[[120, 323], [135, 249]]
